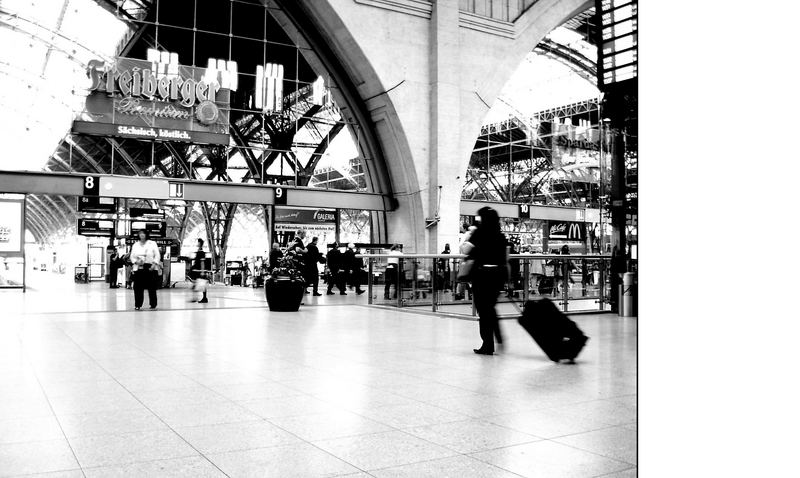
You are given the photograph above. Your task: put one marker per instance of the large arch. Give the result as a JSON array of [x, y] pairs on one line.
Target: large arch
[[328, 29], [428, 99]]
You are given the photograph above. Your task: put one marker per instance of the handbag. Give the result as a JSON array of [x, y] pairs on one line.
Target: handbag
[[465, 270]]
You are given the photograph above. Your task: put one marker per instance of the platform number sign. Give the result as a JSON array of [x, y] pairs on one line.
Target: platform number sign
[[280, 196], [91, 185], [524, 211]]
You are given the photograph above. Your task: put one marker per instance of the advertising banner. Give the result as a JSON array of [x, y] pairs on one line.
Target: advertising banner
[[305, 216], [567, 231], [311, 223], [12, 229], [157, 100], [576, 150]]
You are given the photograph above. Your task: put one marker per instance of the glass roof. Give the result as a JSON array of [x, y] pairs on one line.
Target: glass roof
[[541, 83], [42, 73]]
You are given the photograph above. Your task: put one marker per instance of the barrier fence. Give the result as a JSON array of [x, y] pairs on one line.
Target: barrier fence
[[575, 283]]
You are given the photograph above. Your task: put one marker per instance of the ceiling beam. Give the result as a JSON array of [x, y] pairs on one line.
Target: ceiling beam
[[83, 154], [125, 156]]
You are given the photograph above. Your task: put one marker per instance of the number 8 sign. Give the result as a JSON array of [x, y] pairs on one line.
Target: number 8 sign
[[91, 186]]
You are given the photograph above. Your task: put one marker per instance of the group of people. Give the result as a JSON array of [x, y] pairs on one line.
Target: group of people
[[144, 260], [484, 244], [344, 268]]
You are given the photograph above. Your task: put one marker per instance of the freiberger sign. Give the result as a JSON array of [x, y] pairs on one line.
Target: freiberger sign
[[158, 99]]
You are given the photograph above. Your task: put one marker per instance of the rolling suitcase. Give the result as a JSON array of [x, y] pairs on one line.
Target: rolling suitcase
[[557, 335]]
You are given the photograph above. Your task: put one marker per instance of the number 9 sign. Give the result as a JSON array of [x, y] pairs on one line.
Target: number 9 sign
[[280, 196]]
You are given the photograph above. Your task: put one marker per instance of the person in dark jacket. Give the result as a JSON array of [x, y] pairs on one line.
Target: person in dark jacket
[[275, 256], [114, 264], [336, 269], [354, 267], [487, 248], [198, 274], [312, 258], [515, 269], [443, 266]]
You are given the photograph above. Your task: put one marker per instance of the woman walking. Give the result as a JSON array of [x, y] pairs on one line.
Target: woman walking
[[487, 248], [146, 258]]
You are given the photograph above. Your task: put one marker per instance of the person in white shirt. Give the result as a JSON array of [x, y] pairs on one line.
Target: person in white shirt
[[146, 258], [392, 274]]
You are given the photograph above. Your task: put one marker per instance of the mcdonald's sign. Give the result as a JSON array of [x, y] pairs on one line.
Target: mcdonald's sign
[[567, 231]]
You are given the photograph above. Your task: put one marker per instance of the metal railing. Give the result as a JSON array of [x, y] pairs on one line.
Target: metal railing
[[575, 283]]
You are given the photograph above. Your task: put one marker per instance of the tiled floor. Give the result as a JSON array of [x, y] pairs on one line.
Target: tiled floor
[[91, 388]]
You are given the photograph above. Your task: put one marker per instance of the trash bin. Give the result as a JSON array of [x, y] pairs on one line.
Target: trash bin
[[628, 303]]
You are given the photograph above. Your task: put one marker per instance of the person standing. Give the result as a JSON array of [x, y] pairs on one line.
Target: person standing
[[463, 289], [275, 256], [336, 269], [145, 257], [312, 258], [114, 263], [354, 266], [487, 248], [198, 273], [392, 271], [515, 268], [443, 268]]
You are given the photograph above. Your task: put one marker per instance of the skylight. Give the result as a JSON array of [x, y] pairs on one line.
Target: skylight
[[46, 47]]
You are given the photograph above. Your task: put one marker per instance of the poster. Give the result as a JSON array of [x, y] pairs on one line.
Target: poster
[[310, 223], [11, 226]]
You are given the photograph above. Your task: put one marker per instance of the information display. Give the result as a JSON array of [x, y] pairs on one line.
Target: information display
[[91, 227], [12, 229], [147, 213], [103, 205], [163, 243], [156, 229]]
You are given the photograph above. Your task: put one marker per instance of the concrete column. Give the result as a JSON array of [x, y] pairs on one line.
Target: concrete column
[[446, 161]]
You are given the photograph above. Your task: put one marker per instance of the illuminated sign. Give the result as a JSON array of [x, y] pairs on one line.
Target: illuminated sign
[[159, 99], [269, 89], [570, 231]]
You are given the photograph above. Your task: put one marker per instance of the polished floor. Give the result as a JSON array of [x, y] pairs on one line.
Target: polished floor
[[91, 388]]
